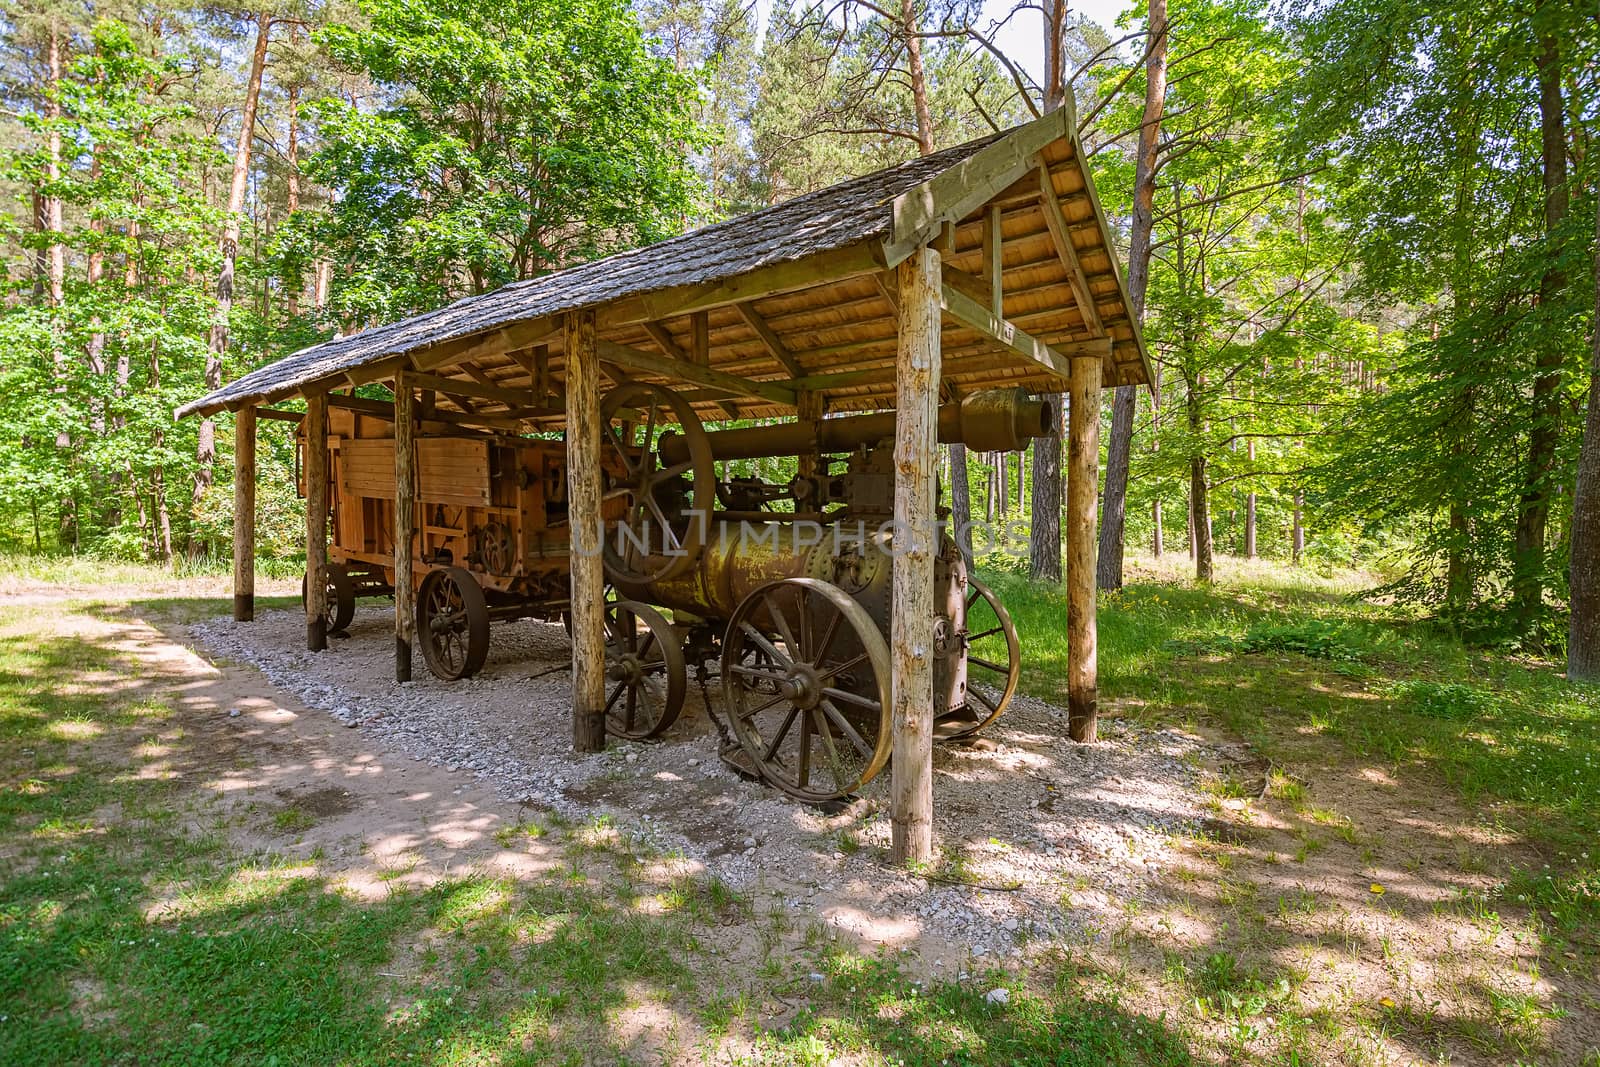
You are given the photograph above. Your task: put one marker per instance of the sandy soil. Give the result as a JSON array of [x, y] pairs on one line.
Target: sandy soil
[[1055, 833]]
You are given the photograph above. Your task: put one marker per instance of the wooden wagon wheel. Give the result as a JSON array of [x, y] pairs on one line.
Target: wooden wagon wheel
[[645, 677], [341, 602], [994, 663], [453, 623], [630, 417], [805, 681]]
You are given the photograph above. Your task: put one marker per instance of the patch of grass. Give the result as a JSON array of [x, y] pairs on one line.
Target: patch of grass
[[869, 1010], [293, 820]]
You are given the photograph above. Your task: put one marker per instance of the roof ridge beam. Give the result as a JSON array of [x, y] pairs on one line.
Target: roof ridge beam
[[957, 191]]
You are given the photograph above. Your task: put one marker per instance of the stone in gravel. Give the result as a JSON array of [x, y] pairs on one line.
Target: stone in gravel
[[233, 713], [817, 978], [998, 995]]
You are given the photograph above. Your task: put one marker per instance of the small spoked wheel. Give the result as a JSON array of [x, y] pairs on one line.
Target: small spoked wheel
[[645, 678], [994, 662], [341, 605], [805, 682], [657, 524], [452, 623]]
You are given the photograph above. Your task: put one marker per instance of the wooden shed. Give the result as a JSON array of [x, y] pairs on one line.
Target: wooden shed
[[986, 265]]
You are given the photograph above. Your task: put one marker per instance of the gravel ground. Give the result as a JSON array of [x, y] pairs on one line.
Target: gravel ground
[[1057, 835]]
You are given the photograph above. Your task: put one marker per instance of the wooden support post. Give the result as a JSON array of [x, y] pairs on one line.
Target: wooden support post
[[244, 515], [809, 407], [405, 522], [993, 260], [911, 629], [316, 468], [1083, 490], [700, 338], [583, 516]]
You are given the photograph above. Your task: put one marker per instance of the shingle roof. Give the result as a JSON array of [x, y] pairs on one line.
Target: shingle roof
[[836, 217]]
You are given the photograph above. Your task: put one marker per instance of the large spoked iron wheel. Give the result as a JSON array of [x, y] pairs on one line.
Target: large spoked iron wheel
[[341, 606], [661, 529], [805, 682], [645, 677], [452, 623], [994, 663]]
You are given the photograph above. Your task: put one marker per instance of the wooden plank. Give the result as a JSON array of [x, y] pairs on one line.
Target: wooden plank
[[457, 387], [1059, 234], [1099, 218], [700, 338], [993, 259], [836, 265], [279, 416], [366, 468], [587, 608], [453, 470], [316, 468], [1083, 486], [663, 337], [885, 281], [774, 344], [244, 515], [911, 628], [405, 526], [650, 363]]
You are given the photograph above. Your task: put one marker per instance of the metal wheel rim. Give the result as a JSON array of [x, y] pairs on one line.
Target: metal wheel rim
[[644, 477], [986, 709], [452, 624], [648, 706], [797, 736]]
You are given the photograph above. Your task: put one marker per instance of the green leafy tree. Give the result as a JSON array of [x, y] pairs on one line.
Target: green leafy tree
[[503, 141]]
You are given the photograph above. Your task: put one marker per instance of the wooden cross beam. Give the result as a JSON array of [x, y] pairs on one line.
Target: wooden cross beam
[[651, 363], [456, 387], [1061, 235], [1056, 359], [771, 340]]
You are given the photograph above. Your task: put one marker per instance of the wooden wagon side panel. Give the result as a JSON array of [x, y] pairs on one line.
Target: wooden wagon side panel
[[451, 470]]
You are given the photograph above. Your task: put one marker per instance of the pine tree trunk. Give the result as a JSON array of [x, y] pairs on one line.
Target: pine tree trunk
[[1533, 511], [1583, 636], [961, 501], [1298, 533], [1250, 507], [1044, 511], [1199, 504], [54, 222], [206, 450], [1119, 452], [291, 303]]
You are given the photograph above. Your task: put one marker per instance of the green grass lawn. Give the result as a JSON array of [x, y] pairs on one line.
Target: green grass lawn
[[257, 957]]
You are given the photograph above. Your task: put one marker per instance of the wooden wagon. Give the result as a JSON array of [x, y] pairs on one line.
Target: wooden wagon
[[491, 537]]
